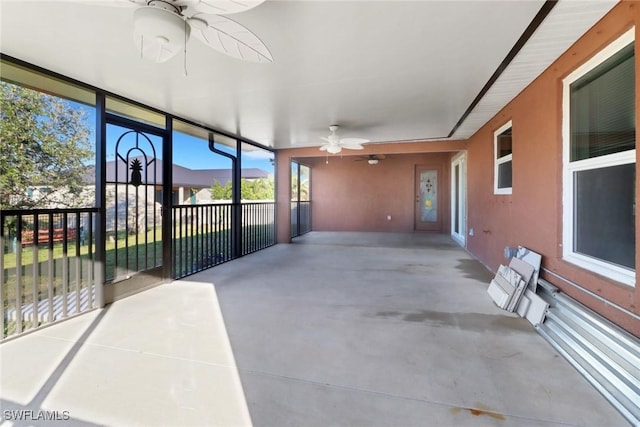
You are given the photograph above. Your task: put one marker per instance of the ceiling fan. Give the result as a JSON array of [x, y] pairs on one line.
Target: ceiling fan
[[372, 159], [335, 144], [162, 28]]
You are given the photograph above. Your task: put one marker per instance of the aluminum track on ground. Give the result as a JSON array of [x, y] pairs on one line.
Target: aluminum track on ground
[[606, 355]]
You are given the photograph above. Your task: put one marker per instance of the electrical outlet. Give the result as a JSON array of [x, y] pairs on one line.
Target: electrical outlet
[[471, 232], [388, 217]]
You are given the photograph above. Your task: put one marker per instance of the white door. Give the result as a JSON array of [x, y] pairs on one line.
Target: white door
[[459, 197]]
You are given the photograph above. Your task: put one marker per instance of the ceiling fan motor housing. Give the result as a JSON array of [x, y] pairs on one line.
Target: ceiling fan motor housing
[[160, 33]]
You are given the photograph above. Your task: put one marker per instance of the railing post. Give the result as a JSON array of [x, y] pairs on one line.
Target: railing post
[[91, 266], [167, 199], [35, 269], [2, 290], [50, 270], [101, 201], [19, 274], [236, 220]]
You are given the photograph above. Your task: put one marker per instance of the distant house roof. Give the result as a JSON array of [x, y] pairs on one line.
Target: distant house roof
[[182, 176]]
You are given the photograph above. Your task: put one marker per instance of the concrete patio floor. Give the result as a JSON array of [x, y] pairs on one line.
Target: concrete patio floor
[[369, 329]]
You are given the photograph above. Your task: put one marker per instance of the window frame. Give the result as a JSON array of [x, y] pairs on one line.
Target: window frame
[[497, 161], [613, 271]]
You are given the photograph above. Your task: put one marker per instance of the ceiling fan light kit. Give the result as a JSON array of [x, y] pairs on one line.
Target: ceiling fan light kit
[[159, 33], [334, 149], [372, 159]]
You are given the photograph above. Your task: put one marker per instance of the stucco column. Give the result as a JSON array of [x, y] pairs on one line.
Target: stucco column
[[283, 191]]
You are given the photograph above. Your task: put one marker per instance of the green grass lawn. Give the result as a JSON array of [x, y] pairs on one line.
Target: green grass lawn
[[9, 260], [192, 251]]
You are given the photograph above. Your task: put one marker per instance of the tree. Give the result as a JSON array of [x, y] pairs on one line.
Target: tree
[[221, 192], [44, 142], [255, 189], [304, 188], [258, 189]]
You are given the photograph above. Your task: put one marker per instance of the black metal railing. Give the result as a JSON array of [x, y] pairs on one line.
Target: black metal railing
[[258, 226], [203, 235], [46, 266], [300, 218]]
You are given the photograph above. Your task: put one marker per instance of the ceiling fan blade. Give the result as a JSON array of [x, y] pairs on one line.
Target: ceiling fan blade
[[353, 141], [324, 147], [352, 146], [116, 3], [324, 138], [225, 7], [231, 38]]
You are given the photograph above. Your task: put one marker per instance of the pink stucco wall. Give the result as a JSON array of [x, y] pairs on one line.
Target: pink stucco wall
[[532, 215], [350, 195]]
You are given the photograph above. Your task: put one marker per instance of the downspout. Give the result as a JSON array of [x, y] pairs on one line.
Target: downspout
[[236, 219]]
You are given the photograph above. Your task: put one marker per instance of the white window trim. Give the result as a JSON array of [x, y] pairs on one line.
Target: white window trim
[[461, 160], [612, 271], [504, 159]]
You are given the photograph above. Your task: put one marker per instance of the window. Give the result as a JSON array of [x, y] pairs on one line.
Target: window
[[258, 173], [300, 199], [503, 160], [600, 163], [209, 174], [135, 112]]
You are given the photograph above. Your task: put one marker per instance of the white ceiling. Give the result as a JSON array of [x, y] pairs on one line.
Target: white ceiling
[[383, 70]]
